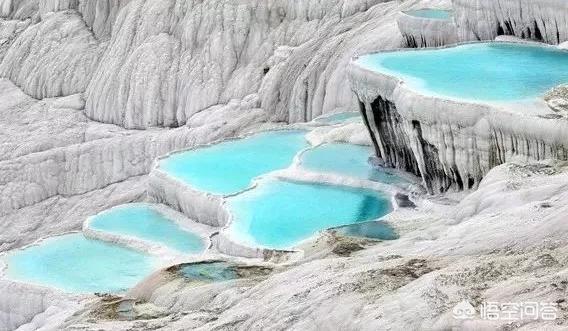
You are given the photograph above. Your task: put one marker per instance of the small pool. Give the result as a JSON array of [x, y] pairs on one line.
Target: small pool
[[353, 162], [491, 71], [220, 271], [217, 271], [230, 167], [373, 230], [144, 222], [338, 118], [436, 14], [279, 214], [74, 263]]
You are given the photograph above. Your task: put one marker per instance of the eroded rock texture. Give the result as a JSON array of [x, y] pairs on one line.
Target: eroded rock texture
[[452, 144], [423, 32], [543, 20], [197, 54], [55, 57], [144, 63]]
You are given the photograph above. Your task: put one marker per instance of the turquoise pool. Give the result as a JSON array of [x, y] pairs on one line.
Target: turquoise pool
[[345, 159], [217, 271], [279, 214], [230, 167], [144, 222], [345, 117], [437, 14], [489, 71], [373, 230], [76, 264]]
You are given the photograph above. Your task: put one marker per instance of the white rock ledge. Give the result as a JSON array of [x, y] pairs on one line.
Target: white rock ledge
[[451, 144], [543, 20], [426, 32], [201, 206], [150, 247]]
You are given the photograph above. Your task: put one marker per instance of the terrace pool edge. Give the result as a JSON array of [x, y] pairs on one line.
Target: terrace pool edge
[[201, 230], [495, 133]]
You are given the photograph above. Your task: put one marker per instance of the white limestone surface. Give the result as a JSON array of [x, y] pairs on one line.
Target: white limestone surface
[[452, 143], [544, 20], [425, 32], [510, 249]]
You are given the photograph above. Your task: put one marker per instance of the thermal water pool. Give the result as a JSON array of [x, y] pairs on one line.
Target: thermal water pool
[[230, 167], [215, 271], [489, 71], [279, 214], [74, 263], [437, 14], [345, 159], [145, 222], [373, 230]]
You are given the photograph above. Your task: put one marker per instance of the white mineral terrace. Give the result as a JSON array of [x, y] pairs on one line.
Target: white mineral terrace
[[461, 205], [448, 141]]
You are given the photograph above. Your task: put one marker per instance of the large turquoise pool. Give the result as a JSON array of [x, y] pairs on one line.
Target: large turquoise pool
[[230, 167], [279, 214], [144, 222], [76, 264], [437, 14], [483, 71], [345, 159]]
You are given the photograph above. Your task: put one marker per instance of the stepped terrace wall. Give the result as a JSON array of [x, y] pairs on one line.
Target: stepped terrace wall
[[543, 20], [452, 144], [426, 32]]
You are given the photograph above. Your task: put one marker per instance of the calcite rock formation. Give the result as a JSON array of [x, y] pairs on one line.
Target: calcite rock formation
[[450, 144], [424, 32], [165, 70], [557, 99], [207, 53], [543, 20], [144, 63], [62, 66]]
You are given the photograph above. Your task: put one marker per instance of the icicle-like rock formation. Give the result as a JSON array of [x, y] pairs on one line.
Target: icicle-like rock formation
[[197, 54], [543, 20], [145, 63], [59, 67], [425, 32], [451, 144]]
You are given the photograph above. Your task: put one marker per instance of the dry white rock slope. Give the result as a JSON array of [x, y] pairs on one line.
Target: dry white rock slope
[[81, 77]]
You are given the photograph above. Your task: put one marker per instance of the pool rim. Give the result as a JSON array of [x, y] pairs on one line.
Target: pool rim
[[486, 103], [225, 231], [451, 13], [201, 230], [250, 134], [157, 264]]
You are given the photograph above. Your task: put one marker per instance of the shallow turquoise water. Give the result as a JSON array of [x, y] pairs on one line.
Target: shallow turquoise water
[[147, 223], [345, 159], [209, 272], [229, 167], [279, 214], [345, 117], [438, 14], [76, 264], [482, 71], [373, 230]]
